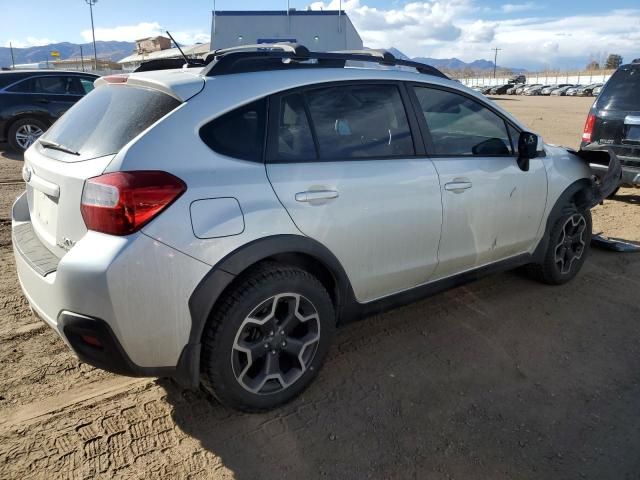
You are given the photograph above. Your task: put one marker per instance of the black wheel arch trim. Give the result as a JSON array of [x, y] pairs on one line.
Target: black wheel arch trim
[[579, 191], [221, 275]]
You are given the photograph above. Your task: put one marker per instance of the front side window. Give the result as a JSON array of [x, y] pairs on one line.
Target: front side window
[[51, 84], [461, 126], [239, 133], [360, 121], [295, 141]]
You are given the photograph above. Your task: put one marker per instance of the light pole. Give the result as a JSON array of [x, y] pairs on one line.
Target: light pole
[[91, 3], [495, 60]]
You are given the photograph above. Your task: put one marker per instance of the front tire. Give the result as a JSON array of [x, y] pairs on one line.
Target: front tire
[[268, 338], [24, 132], [567, 249]]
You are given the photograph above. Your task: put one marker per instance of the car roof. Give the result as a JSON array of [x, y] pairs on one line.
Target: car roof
[[45, 72]]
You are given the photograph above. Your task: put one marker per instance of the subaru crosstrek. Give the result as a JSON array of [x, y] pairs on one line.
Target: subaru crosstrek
[[215, 224]]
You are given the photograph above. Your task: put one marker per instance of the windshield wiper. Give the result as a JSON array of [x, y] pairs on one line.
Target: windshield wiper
[[57, 146]]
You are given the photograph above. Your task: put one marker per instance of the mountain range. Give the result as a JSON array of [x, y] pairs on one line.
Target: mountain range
[[106, 50], [113, 50], [453, 63]]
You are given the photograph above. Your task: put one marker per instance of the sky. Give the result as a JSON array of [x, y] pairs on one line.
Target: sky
[[531, 33]]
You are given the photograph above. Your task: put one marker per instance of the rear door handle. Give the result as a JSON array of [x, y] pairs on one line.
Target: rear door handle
[[316, 195], [458, 186], [43, 100]]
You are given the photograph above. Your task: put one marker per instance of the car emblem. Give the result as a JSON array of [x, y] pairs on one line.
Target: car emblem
[[26, 174]]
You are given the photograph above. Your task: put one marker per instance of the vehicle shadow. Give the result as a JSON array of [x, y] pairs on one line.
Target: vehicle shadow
[[457, 385], [8, 153], [632, 199]]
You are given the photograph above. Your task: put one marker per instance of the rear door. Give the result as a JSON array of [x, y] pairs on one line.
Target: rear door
[[492, 209], [345, 162]]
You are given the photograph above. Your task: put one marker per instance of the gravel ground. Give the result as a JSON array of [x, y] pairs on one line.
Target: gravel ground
[[502, 378]]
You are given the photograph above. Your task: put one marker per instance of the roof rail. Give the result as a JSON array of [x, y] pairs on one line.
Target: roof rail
[[294, 48], [279, 56]]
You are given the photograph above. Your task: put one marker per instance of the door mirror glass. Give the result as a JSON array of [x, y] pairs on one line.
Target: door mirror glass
[[527, 149]]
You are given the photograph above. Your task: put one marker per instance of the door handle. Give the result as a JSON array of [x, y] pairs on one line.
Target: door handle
[[316, 195], [43, 100], [458, 186]]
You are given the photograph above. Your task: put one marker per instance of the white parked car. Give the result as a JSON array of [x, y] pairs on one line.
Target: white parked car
[[215, 224]]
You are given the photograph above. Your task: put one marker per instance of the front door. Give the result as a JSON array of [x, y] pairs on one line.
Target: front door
[[343, 162], [492, 209]]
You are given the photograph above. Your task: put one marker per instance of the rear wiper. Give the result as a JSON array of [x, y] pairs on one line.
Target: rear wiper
[[57, 146]]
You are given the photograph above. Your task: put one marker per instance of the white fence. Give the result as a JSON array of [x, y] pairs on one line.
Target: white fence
[[582, 78]]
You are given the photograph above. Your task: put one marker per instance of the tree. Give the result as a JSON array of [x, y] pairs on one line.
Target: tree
[[613, 61], [593, 65]]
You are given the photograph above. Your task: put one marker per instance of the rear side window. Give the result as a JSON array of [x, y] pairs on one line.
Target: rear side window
[[622, 91], [360, 121], [461, 126], [239, 133], [86, 84], [106, 119]]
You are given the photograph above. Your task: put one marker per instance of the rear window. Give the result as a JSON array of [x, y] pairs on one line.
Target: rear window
[[622, 91], [106, 119]]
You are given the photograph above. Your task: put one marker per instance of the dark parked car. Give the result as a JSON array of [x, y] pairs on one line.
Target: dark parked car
[[30, 101], [500, 89], [588, 90], [518, 79], [614, 122]]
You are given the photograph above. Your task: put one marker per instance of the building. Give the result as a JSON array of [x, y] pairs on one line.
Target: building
[[133, 61], [85, 64], [152, 44], [320, 30]]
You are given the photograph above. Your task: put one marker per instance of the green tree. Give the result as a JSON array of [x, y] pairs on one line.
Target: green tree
[[613, 61], [593, 65]]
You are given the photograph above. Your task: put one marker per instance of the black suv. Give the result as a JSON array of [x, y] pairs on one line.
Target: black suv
[[30, 101], [614, 121]]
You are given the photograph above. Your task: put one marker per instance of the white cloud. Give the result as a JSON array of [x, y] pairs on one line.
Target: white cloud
[[518, 7], [130, 33], [29, 42], [466, 30]]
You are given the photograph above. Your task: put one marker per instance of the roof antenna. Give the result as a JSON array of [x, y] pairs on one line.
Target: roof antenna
[[186, 59]]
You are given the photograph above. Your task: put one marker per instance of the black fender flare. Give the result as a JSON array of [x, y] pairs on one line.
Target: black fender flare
[[222, 274], [583, 185]]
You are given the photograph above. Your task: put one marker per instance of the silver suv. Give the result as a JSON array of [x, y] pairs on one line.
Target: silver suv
[[215, 224]]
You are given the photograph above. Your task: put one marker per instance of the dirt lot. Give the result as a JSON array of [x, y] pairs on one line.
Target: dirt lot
[[503, 378]]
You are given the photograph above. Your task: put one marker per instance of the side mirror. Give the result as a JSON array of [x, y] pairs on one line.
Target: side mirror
[[527, 149]]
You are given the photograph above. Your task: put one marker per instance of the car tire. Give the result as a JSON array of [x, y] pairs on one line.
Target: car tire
[[267, 339], [567, 249], [23, 132]]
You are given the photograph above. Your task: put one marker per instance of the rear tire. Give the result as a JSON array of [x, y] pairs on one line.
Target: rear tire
[[267, 339], [24, 132], [567, 249]]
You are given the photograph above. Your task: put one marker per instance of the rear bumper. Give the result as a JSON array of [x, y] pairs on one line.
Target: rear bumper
[[131, 291], [630, 175]]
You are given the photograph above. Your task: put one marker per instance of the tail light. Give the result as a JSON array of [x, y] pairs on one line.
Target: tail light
[[588, 127], [120, 203]]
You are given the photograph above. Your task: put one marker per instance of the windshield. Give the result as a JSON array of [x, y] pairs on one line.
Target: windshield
[[107, 119], [622, 91]]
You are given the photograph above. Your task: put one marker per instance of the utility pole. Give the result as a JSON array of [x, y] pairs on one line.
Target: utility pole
[[81, 58], [495, 60], [13, 61], [91, 3]]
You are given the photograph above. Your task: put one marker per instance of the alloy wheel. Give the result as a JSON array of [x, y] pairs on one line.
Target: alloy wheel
[[571, 244], [27, 134], [275, 343]]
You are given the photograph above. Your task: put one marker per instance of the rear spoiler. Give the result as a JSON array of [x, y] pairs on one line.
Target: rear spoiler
[[602, 187]]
